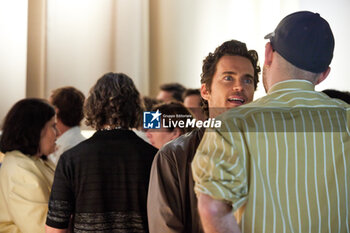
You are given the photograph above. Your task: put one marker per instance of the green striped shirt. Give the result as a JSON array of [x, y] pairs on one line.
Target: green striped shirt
[[286, 157]]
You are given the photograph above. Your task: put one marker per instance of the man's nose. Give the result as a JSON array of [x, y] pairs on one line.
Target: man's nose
[[237, 86]]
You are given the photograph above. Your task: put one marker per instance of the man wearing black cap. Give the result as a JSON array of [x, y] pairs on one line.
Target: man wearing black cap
[[285, 157]]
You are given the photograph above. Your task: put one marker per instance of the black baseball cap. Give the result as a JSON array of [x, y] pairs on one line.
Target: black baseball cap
[[304, 39]]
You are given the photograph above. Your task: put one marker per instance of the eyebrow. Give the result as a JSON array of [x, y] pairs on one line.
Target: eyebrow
[[231, 72]]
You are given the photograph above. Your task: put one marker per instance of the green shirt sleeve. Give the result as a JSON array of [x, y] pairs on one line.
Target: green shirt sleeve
[[220, 165]]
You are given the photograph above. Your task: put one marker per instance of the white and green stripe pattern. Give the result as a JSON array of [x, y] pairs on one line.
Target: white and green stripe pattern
[[286, 156]]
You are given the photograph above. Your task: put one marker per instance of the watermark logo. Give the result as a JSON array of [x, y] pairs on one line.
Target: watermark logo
[[157, 120], [151, 120]]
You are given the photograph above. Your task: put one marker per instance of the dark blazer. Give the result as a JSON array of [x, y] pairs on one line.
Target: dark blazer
[[172, 203]]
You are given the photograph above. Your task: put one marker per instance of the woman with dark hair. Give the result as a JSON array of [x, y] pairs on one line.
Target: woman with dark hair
[[29, 134], [102, 183]]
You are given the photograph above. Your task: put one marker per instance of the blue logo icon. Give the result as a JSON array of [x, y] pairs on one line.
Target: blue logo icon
[[151, 120]]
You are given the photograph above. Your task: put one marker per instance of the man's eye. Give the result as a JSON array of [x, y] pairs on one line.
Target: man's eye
[[228, 78], [248, 81]]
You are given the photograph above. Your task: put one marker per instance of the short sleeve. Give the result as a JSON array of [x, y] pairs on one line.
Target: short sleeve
[[220, 165], [61, 203]]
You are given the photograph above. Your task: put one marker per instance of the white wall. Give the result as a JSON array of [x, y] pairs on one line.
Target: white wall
[[79, 41], [337, 14], [13, 55], [270, 12], [186, 31]]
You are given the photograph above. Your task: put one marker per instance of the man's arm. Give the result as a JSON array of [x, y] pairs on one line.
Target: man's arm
[[164, 199], [54, 230], [61, 202], [216, 216]]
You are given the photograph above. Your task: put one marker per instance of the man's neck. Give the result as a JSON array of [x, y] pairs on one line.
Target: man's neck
[[214, 112], [61, 127]]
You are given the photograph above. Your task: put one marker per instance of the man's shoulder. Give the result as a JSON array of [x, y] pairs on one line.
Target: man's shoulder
[[75, 151], [246, 110], [70, 138], [97, 141], [183, 146], [142, 145], [184, 141]]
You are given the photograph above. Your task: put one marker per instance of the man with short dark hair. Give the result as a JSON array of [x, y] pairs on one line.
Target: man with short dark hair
[[342, 95], [68, 102], [193, 101], [229, 78], [285, 157], [171, 91]]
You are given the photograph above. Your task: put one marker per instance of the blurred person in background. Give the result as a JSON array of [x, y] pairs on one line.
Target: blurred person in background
[[1, 157], [26, 176], [174, 112], [68, 103], [193, 101], [103, 181], [171, 91], [342, 95], [1, 154], [149, 103]]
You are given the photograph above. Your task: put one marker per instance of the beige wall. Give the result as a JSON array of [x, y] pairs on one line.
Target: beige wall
[[132, 41], [13, 53], [182, 34], [80, 41], [172, 45], [36, 53], [87, 38]]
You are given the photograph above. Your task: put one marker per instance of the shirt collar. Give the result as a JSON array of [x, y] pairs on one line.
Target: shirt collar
[[292, 84], [67, 135]]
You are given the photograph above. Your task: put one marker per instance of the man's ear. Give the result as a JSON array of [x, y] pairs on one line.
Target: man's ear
[[323, 75], [176, 133], [268, 54], [205, 93]]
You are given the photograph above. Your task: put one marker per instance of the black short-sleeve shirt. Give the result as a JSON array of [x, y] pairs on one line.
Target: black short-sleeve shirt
[[102, 184]]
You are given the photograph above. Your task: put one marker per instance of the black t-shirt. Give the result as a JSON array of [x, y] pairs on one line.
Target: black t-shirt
[[102, 183]]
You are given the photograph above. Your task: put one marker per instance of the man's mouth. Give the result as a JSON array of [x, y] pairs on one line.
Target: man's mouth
[[236, 100]]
